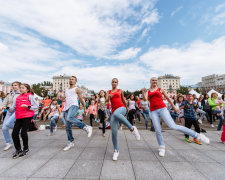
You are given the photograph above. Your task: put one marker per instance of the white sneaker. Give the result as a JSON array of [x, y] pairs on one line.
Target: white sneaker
[[212, 126], [162, 152], [88, 129], [115, 155], [121, 128], [55, 128], [201, 137], [200, 121], [8, 146], [69, 146], [136, 133]]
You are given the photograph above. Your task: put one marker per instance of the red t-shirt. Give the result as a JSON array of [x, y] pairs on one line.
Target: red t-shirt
[[116, 100], [156, 100], [138, 103]]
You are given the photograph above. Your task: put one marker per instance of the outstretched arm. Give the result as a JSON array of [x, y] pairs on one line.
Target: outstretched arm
[[123, 99], [79, 93], [169, 100]]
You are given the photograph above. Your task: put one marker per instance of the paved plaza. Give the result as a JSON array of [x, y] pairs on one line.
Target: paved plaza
[[91, 157]]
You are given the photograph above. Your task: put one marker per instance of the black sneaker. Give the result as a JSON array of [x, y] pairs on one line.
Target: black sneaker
[[17, 154], [26, 151], [22, 154]]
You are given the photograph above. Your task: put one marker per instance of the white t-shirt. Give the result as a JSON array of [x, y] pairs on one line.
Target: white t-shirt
[[71, 98], [131, 104], [145, 104]]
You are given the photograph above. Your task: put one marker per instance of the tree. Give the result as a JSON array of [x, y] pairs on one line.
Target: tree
[[40, 91], [126, 93], [182, 90], [198, 90], [46, 83]]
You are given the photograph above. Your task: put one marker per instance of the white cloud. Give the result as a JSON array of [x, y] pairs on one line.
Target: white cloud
[[176, 11], [131, 76], [191, 62], [215, 15], [125, 54], [92, 27]]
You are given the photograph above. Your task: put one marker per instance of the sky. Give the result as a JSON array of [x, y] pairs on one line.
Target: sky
[[97, 40]]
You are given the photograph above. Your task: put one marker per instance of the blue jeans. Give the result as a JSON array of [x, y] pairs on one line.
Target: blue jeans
[[219, 117], [116, 118], [203, 113], [70, 119], [53, 122], [146, 114], [63, 120], [165, 115], [8, 123]]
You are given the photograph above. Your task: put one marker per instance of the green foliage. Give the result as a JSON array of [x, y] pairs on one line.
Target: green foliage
[[46, 83], [40, 91], [198, 90], [182, 90]]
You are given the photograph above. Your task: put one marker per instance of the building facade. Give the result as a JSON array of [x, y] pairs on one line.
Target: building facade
[[5, 87], [214, 81], [60, 83], [169, 83]]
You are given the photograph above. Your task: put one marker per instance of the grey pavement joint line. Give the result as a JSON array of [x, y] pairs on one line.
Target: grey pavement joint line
[[130, 155], [105, 155], [189, 161], [79, 154], [157, 158]]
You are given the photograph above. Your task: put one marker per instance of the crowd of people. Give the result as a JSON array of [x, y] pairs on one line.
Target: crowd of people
[[111, 110]]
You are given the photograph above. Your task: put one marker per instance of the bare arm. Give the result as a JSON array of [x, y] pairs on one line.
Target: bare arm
[[123, 99], [79, 93], [168, 99], [144, 94], [59, 110]]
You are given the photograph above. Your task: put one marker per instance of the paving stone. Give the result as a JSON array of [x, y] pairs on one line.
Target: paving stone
[[82, 169], [214, 171], [55, 168], [120, 169], [123, 154], [45, 153], [194, 155], [73, 153], [183, 170], [25, 168], [171, 155], [137, 144], [142, 155], [7, 163], [145, 170], [93, 153], [218, 156]]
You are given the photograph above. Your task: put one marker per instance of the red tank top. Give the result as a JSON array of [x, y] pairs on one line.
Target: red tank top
[[116, 100], [156, 100]]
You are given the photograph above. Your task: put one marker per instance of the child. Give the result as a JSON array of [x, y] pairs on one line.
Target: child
[[102, 110], [54, 114], [24, 107], [220, 102], [80, 113], [223, 133], [92, 110], [190, 116]]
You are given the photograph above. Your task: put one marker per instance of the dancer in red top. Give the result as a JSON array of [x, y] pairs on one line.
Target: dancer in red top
[[119, 110], [158, 110]]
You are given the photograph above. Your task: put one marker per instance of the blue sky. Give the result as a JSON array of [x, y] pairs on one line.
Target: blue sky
[[97, 40]]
